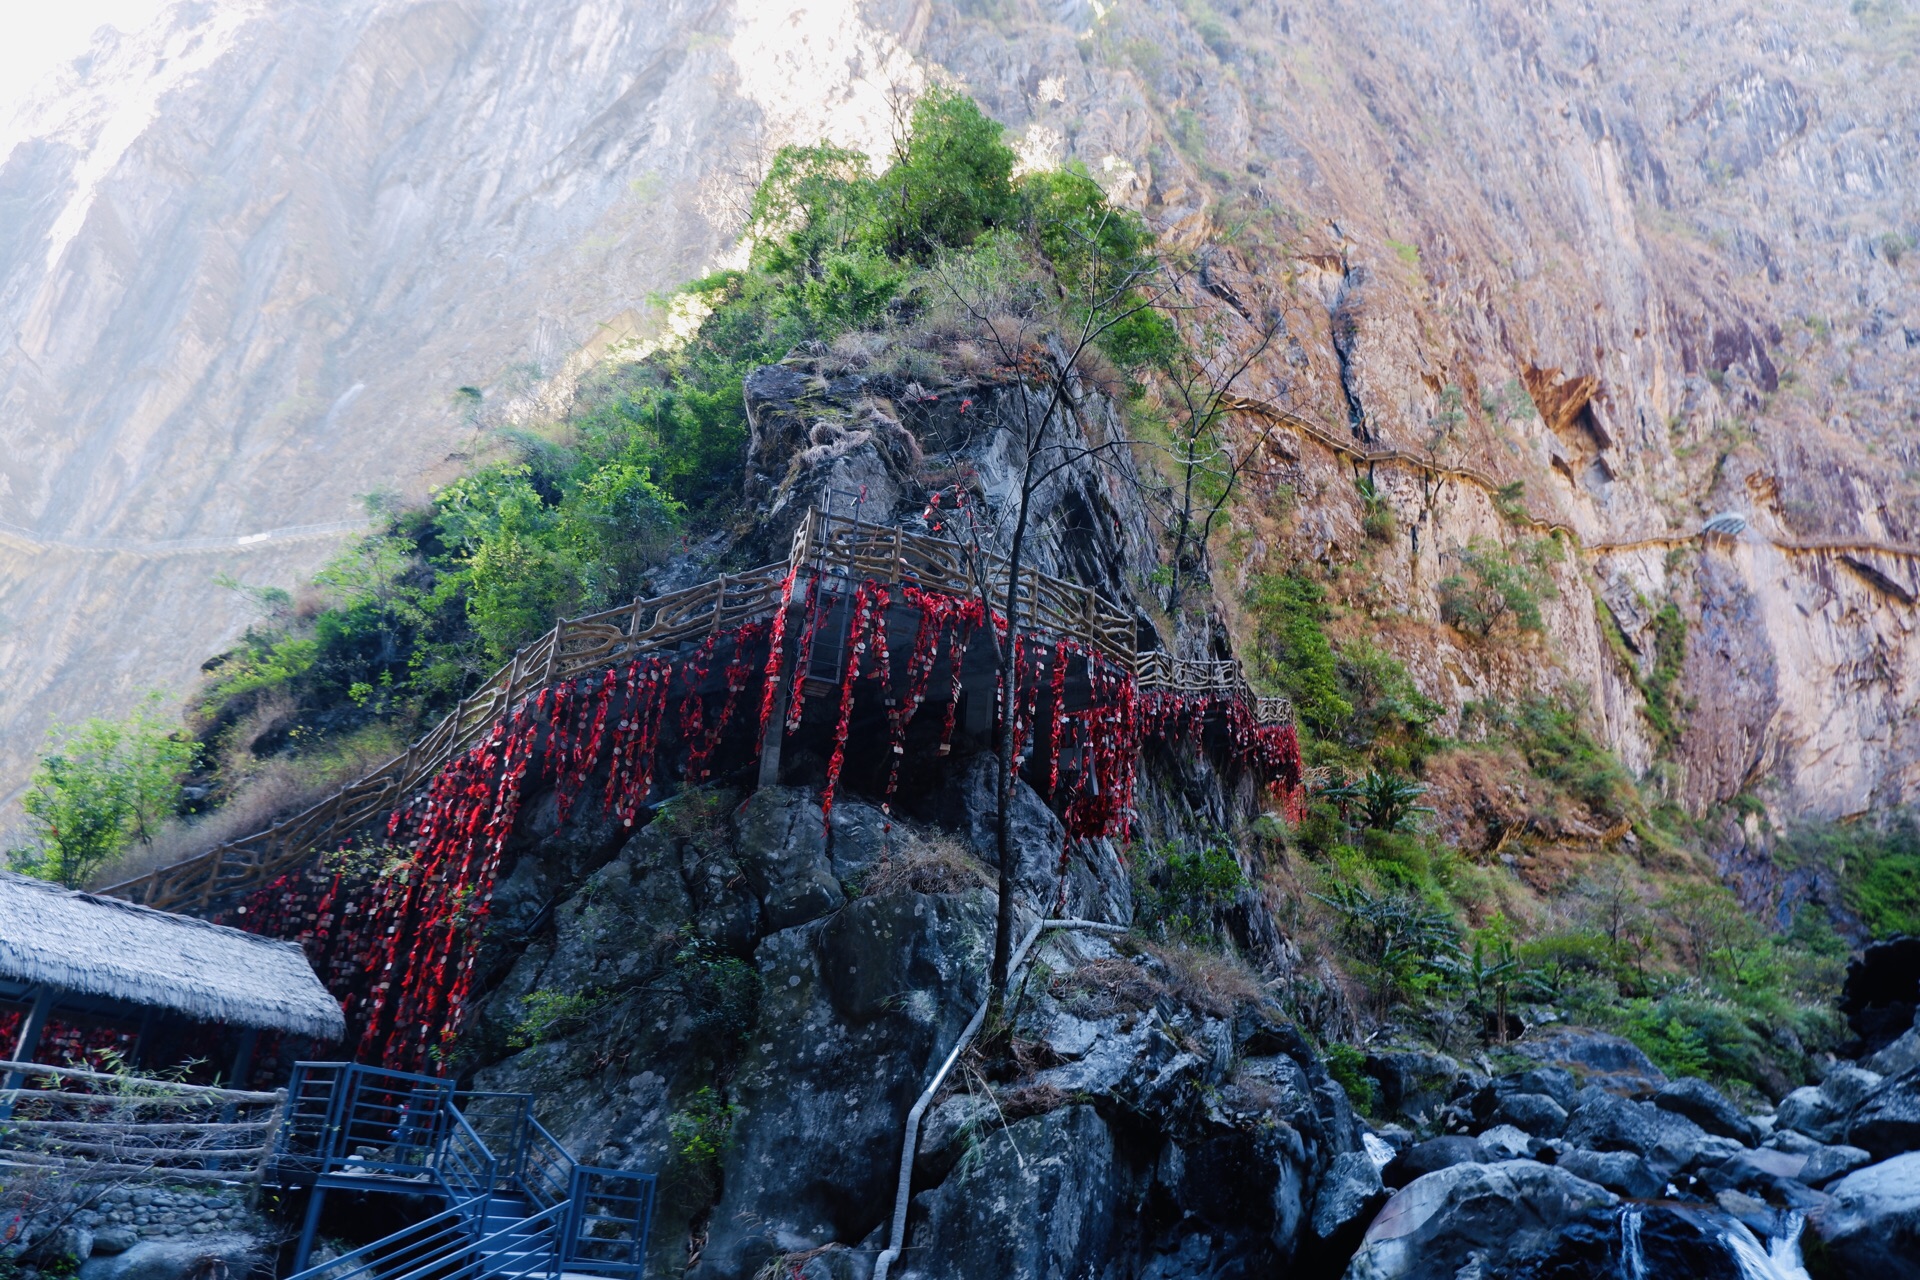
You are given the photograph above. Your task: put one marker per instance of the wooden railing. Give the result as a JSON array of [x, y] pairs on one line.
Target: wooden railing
[[1160, 672], [89, 1124], [825, 544], [1486, 481], [1048, 605]]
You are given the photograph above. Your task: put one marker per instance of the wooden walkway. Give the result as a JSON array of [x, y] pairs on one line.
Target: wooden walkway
[[828, 545], [1370, 455]]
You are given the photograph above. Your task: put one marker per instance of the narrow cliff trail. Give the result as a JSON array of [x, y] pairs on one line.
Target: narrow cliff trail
[[1485, 481]]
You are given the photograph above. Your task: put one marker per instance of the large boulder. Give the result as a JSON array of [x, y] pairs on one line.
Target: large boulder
[[1427, 1157], [1887, 1120], [1037, 1199], [1707, 1107], [1553, 1082], [1595, 1058], [1603, 1122], [1516, 1217], [197, 1259], [855, 1010], [1882, 994], [782, 848], [1620, 1171], [1535, 1113], [1902, 1056], [1848, 1087], [1350, 1192], [1828, 1163], [1872, 1225], [1812, 1114], [1097, 885]]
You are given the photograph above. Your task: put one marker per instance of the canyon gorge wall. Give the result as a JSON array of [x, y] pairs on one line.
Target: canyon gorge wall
[[1658, 266]]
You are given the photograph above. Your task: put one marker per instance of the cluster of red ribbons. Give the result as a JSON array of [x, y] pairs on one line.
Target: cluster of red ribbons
[[395, 937]]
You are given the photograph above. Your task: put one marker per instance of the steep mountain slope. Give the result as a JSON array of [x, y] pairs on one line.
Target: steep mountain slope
[[249, 259], [1689, 243], [1655, 268]]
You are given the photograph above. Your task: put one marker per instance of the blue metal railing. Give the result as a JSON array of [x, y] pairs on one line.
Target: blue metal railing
[[534, 1162], [518, 1204]]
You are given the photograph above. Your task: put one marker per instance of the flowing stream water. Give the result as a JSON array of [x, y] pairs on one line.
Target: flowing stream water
[[1778, 1259]]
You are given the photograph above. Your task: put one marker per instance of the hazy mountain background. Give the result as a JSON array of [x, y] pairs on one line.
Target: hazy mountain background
[[1657, 263]]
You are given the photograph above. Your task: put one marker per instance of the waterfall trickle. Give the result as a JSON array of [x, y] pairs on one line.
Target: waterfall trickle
[[1633, 1263], [1780, 1260]]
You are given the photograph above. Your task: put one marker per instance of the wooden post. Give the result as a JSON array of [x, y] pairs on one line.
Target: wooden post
[[776, 730], [719, 606], [28, 1044], [553, 650]]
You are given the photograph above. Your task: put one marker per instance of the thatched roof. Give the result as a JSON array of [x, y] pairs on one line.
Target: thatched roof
[[106, 948]]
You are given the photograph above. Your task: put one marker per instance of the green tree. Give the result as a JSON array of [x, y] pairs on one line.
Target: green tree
[[107, 785], [1294, 653], [951, 179], [1497, 591]]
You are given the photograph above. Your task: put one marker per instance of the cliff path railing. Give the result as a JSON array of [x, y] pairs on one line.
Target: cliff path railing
[[828, 545], [1358, 452], [77, 1124]]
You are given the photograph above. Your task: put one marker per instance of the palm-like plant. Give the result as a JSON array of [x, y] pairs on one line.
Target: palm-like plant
[[1385, 801]]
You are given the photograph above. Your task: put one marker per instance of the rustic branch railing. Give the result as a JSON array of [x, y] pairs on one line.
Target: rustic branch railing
[[125, 1127], [824, 543]]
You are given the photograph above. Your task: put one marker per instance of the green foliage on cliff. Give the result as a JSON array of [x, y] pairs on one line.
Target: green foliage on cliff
[[106, 786], [1497, 590], [572, 518], [1553, 733], [1355, 701], [1876, 869]]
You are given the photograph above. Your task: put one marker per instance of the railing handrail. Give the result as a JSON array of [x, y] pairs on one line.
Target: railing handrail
[[161, 1087], [457, 1215], [823, 542]]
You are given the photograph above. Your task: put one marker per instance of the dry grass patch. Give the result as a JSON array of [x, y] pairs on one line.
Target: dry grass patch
[[1212, 982], [935, 863], [1103, 988]]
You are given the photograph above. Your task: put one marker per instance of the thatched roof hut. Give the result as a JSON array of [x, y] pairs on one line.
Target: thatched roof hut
[[58, 939]]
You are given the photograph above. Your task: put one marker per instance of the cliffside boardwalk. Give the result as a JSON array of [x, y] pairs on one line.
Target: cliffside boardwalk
[[824, 545], [1357, 452]]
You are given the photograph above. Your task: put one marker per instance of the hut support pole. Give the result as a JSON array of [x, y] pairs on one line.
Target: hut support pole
[[29, 1042], [237, 1078], [243, 1058]]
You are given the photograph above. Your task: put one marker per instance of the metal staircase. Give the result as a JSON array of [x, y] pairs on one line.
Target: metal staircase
[[518, 1206]]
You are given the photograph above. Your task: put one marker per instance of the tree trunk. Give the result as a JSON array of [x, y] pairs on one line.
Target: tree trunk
[[1009, 714]]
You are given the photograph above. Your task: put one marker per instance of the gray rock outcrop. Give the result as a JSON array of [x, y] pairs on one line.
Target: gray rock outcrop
[[1873, 1224]]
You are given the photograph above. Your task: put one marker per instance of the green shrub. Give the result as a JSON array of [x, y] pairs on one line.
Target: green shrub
[[1660, 687], [1347, 1065], [1390, 715], [1877, 868], [721, 993], [1676, 1047], [1381, 801], [107, 785], [1498, 591], [1293, 652], [547, 1013], [950, 180], [1182, 890], [1551, 733], [703, 1129]]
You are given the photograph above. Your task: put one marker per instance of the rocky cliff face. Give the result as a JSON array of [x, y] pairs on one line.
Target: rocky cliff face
[[1654, 267], [250, 258]]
